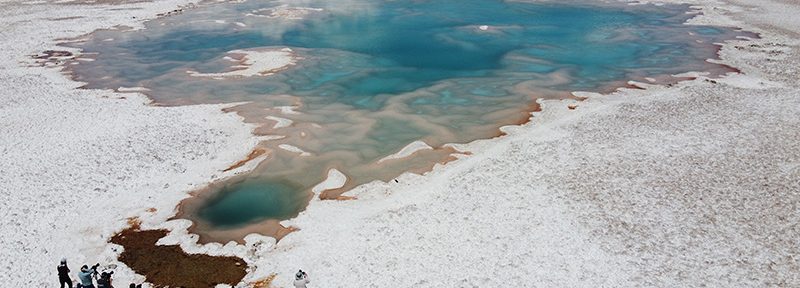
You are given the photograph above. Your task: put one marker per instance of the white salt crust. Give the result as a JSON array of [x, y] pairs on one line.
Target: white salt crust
[[694, 184]]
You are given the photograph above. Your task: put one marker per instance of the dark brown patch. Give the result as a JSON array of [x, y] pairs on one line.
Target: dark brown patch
[[53, 53], [170, 266]]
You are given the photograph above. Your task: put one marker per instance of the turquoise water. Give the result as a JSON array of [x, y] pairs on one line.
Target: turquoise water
[[374, 76], [250, 202]]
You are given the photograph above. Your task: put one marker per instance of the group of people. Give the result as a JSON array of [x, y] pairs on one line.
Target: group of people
[[87, 277]]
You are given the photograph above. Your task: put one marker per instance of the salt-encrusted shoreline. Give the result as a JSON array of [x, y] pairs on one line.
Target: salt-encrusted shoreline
[[262, 62], [684, 186], [76, 163], [676, 186]]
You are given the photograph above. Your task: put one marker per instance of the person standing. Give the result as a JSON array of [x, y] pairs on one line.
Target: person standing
[[63, 274], [86, 275], [105, 280], [300, 279]]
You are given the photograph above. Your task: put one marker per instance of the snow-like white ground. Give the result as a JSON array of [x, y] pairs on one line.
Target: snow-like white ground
[[74, 164], [409, 149], [255, 63], [692, 185], [335, 180]]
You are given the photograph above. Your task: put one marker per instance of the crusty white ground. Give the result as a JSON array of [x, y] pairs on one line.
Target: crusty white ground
[[75, 164], [692, 185], [687, 186], [335, 180], [409, 149], [255, 63]]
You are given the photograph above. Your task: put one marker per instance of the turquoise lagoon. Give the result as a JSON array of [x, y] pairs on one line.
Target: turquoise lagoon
[[373, 76]]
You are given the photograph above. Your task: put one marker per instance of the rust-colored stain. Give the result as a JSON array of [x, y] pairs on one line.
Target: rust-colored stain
[[170, 266], [264, 283], [253, 154]]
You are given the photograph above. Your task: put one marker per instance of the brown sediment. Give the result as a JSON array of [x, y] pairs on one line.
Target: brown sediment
[[522, 118], [134, 223], [170, 266], [253, 154], [264, 283]]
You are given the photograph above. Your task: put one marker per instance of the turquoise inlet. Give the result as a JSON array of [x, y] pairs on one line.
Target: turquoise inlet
[[252, 200], [350, 83]]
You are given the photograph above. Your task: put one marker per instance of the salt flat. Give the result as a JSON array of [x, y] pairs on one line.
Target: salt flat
[[690, 185], [77, 163]]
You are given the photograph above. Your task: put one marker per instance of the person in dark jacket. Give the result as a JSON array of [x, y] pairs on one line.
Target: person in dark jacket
[[63, 274], [105, 280]]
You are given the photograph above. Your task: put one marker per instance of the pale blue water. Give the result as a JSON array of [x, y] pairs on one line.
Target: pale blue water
[[377, 75]]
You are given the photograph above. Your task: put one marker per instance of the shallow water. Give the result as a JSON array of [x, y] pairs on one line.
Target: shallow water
[[373, 76]]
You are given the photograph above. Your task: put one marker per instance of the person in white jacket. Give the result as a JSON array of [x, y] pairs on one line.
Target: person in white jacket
[[300, 279]]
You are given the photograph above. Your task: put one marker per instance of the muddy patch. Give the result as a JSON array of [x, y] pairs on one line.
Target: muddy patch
[[170, 266]]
